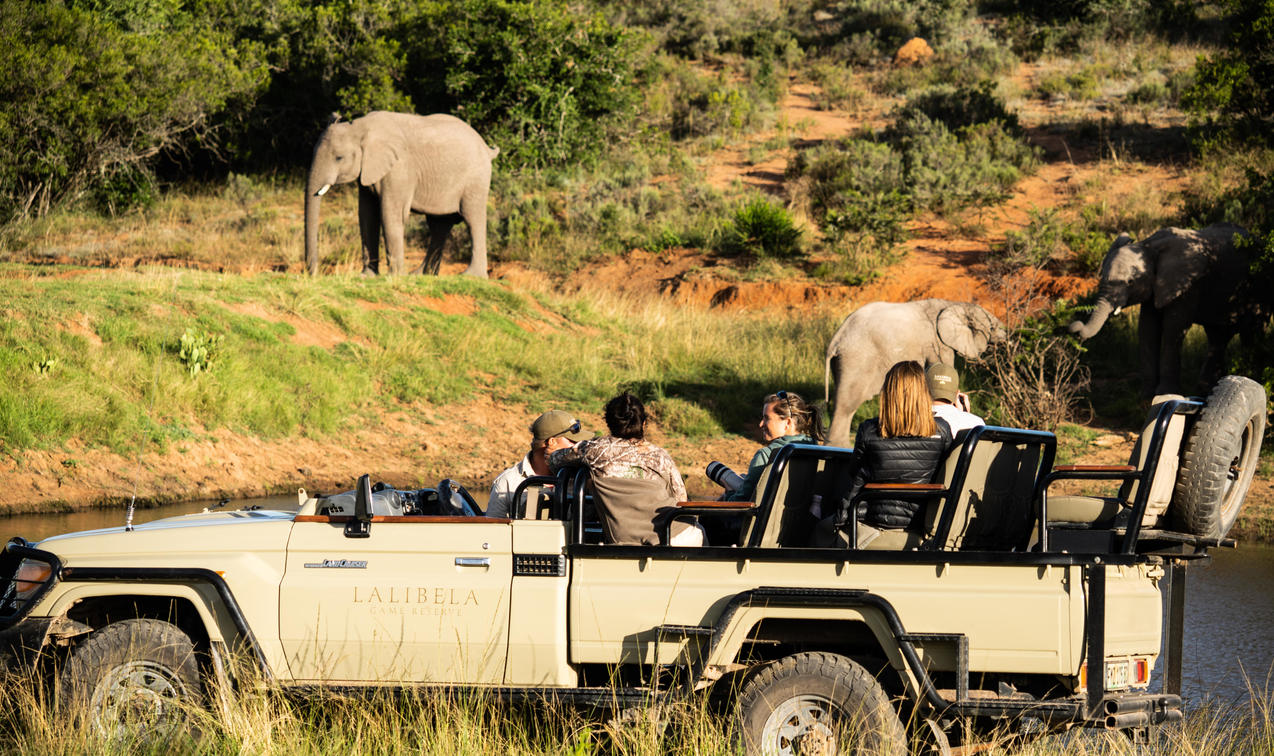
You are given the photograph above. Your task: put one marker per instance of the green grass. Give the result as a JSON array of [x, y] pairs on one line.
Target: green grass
[[96, 355]]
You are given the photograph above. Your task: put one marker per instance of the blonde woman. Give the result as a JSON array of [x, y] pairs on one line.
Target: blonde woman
[[904, 445]]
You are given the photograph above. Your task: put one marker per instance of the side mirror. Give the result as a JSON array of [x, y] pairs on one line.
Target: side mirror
[[360, 525]]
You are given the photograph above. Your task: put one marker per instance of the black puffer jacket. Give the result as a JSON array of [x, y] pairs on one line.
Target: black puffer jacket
[[903, 459]]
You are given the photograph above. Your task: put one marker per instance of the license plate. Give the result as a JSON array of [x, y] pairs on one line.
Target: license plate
[[1118, 675]]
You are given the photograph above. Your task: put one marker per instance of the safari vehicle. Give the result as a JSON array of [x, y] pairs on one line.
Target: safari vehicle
[[1014, 608]]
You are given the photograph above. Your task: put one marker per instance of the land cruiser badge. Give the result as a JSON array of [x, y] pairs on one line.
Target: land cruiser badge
[[348, 564]]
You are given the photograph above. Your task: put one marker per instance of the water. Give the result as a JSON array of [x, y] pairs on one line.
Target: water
[[1229, 643], [35, 527]]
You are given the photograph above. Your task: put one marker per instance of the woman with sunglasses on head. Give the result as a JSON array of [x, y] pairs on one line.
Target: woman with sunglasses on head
[[905, 444], [785, 419], [635, 480]]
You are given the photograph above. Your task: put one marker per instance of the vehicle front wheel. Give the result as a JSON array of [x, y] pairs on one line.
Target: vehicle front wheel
[[132, 676], [817, 703]]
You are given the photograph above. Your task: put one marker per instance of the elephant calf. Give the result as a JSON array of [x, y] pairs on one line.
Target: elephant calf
[[404, 163], [876, 336]]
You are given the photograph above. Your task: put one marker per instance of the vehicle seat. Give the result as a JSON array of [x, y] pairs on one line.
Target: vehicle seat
[[1103, 511], [985, 503], [805, 470]]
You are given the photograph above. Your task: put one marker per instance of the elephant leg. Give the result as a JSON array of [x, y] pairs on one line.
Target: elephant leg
[[439, 231], [1174, 326], [851, 392], [474, 210], [1214, 364], [369, 229], [1149, 347], [395, 225]]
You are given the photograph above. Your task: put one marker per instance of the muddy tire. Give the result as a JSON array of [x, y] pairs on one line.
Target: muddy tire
[[816, 703], [1220, 458], [132, 676]]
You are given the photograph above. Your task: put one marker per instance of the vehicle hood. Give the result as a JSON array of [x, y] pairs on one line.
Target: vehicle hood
[[174, 540]]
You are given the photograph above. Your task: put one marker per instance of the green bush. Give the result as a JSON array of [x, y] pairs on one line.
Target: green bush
[[958, 107], [1232, 97], [541, 80], [761, 229], [89, 100]]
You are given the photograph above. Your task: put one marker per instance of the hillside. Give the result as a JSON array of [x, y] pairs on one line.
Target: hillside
[[241, 247]]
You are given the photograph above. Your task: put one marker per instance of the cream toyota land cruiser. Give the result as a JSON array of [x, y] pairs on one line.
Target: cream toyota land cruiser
[[1015, 607]]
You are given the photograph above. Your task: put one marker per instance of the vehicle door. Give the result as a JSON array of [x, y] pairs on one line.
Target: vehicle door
[[420, 599]]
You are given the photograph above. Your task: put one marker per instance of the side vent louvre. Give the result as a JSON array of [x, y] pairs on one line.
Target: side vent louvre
[[539, 565]]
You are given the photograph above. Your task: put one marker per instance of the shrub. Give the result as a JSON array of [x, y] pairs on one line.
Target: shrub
[[958, 107], [539, 79], [761, 229], [90, 101], [1233, 93], [1037, 374]]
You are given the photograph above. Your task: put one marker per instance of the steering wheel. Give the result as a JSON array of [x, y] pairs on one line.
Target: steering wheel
[[453, 495]]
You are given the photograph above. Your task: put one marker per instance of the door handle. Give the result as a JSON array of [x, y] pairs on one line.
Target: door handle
[[473, 561]]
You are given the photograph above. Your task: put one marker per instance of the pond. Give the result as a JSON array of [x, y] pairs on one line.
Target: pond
[[1229, 643]]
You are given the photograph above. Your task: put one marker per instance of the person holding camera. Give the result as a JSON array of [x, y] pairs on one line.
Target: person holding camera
[[786, 418], [949, 402]]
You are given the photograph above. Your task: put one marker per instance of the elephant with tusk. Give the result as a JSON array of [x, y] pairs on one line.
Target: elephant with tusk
[[404, 163], [1179, 277]]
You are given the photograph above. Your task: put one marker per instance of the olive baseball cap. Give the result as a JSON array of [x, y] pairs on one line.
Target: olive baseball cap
[[556, 423], [944, 382]]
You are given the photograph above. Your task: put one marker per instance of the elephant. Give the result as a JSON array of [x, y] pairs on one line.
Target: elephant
[[404, 163], [880, 334], [1179, 276]]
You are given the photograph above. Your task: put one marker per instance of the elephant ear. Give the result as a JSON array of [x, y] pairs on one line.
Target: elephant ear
[[380, 153], [1181, 258], [954, 331]]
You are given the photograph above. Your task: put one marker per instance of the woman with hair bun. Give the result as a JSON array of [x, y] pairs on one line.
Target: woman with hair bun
[[635, 480], [786, 418]]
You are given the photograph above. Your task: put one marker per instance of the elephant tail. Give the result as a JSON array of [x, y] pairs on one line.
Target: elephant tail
[[827, 378]]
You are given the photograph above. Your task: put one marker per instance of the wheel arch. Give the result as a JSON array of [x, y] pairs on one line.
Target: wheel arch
[[766, 615]]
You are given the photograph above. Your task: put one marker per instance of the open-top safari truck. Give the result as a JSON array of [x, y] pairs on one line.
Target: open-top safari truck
[[1013, 608]]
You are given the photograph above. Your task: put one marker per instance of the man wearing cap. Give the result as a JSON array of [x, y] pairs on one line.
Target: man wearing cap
[[551, 431], [948, 403]]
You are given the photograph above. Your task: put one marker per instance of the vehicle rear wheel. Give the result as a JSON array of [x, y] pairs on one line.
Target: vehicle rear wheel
[[816, 703], [132, 676], [1220, 458]]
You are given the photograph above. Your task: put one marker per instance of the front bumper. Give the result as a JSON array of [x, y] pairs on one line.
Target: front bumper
[[20, 644]]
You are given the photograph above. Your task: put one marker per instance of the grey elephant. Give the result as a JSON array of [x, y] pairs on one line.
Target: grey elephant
[[878, 335], [1179, 276], [404, 163]]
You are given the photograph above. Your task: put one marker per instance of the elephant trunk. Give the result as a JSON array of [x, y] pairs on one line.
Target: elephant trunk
[[312, 197], [1086, 330]]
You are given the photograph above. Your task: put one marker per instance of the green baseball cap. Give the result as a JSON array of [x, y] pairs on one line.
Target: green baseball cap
[[556, 423]]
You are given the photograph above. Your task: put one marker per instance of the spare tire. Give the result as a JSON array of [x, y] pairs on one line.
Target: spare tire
[[1220, 458]]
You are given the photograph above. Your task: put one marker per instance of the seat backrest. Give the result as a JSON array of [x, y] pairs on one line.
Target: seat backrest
[[628, 507], [804, 472], [789, 522], [994, 509], [1169, 460]]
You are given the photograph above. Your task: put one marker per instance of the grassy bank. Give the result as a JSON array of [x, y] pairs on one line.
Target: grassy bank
[[427, 723], [150, 357]]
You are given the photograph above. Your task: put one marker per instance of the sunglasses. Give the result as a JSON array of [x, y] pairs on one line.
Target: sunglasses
[[575, 428]]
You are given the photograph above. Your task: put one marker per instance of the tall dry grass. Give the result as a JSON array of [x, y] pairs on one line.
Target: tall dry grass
[[268, 721]]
